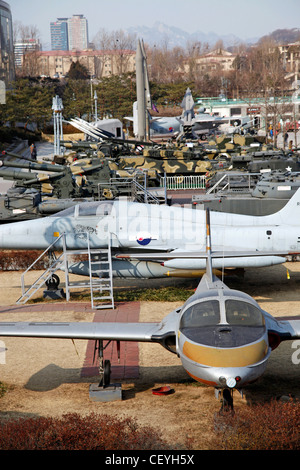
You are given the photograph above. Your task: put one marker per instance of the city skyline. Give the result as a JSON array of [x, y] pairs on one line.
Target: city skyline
[[245, 21], [69, 33]]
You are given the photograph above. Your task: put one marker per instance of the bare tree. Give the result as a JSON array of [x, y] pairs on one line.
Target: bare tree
[[25, 32], [102, 40], [122, 43], [166, 65], [193, 51], [29, 38], [118, 43]]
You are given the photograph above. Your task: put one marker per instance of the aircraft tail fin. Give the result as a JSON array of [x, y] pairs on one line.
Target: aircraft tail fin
[[209, 270], [289, 214]]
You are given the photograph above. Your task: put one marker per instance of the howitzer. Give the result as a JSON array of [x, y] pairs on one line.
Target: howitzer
[[30, 165], [88, 178], [60, 184]]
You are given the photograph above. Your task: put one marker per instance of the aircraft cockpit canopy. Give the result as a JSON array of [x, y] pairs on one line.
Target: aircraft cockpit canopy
[[87, 209], [211, 321], [201, 314], [242, 313]]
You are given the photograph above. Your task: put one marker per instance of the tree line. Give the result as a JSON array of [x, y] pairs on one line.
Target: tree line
[[29, 100], [258, 71]]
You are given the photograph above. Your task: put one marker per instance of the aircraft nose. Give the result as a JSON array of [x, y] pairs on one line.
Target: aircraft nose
[[230, 382]]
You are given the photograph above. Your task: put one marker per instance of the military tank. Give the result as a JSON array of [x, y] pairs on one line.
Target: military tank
[[156, 159], [170, 161]]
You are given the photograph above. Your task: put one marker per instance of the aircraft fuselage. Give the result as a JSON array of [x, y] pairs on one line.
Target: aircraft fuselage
[[143, 226]]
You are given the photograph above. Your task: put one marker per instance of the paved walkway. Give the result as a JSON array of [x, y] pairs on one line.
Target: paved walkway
[[128, 367]]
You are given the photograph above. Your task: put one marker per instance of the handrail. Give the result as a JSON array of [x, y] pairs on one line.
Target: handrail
[[217, 184], [147, 195], [133, 184], [44, 252]]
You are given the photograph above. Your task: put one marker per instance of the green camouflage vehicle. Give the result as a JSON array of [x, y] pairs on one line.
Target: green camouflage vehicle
[[172, 161]]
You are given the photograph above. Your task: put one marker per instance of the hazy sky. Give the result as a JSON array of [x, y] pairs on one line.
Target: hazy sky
[[243, 18]]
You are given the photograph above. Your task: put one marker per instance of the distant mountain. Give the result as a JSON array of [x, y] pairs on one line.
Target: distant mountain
[[160, 34], [284, 36]]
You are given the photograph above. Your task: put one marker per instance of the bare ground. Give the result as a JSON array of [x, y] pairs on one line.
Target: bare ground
[[43, 376]]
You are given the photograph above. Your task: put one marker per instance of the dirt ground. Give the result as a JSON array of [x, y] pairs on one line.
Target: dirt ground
[[43, 376]]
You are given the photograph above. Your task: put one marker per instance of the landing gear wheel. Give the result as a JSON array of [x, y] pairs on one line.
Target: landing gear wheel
[[53, 282], [227, 401]]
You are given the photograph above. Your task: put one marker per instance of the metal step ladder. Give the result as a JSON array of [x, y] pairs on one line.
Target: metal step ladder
[[100, 274], [47, 275], [101, 277]]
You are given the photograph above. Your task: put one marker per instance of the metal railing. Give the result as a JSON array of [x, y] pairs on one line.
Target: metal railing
[[129, 186], [183, 182], [233, 183]]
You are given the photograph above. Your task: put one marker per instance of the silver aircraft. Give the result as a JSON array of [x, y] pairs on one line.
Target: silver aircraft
[[149, 240], [222, 336]]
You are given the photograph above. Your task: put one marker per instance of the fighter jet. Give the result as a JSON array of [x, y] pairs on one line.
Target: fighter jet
[[202, 124], [158, 125], [149, 240], [222, 336]]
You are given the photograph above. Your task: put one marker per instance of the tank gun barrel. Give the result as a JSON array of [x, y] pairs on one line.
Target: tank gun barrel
[[17, 175], [78, 145], [32, 166], [27, 177], [82, 170], [11, 154]]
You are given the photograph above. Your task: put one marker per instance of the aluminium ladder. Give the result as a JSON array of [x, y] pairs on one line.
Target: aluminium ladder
[[55, 265], [101, 277], [100, 274]]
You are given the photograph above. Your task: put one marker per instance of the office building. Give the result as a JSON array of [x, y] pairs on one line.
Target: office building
[[25, 47], [59, 35]]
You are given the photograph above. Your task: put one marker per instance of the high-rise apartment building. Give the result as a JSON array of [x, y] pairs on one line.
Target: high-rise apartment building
[[69, 34], [78, 33], [59, 35]]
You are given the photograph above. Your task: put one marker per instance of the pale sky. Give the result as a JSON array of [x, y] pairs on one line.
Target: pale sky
[[245, 19]]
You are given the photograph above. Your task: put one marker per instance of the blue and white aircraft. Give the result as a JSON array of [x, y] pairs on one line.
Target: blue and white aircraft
[[222, 336], [150, 240]]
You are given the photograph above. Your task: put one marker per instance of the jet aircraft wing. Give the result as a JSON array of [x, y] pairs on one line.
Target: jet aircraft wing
[[287, 328], [292, 326], [81, 330], [116, 331]]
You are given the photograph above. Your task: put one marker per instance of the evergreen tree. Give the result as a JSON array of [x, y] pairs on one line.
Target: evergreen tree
[[78, 71]]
